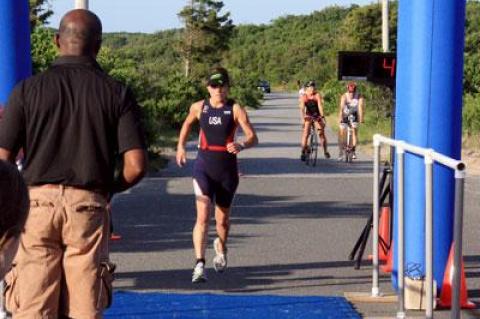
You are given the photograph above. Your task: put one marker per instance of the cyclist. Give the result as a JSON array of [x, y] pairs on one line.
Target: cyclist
[[351, 103], [311, 111], [215, 172]]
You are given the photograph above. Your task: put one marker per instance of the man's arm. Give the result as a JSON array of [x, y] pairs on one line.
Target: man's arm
[[12, 125], [134, 168], [251, 139], [6, 155], [192, 117]]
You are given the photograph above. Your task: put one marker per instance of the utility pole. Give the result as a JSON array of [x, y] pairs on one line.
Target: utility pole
[[81, 4], [385, 31], [189, 35]]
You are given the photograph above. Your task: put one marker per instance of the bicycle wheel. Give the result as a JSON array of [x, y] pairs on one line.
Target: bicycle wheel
[[314, 148], [308, 150], [349, 156], [348, 147]]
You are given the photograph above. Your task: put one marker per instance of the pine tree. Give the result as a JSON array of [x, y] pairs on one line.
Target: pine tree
[[206, 35], [40, 11]]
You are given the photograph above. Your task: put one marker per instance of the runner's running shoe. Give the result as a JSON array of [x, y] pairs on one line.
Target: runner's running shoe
[[220, 259], [199, 273], [327, 155]]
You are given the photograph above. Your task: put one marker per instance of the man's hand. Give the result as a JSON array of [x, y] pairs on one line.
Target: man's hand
[[181, 156]]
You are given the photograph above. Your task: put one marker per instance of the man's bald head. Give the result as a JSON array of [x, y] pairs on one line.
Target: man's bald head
[[80, 33]]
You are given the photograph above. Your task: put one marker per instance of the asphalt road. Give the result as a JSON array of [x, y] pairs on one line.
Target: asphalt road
[[293, 226]]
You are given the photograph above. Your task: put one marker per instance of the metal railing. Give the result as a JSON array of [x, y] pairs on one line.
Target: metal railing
[[430, 157]]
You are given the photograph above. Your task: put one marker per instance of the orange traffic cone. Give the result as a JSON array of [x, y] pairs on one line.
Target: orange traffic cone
[[388, 266], [446, 293], [383, 234]]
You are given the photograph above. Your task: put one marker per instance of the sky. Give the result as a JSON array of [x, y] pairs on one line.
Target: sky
[[149, 16]]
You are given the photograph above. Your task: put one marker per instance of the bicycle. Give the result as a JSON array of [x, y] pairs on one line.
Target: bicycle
[[348, 148], [312, 143]]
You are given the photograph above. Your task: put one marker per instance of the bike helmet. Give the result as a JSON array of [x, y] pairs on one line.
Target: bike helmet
[[310, 83]]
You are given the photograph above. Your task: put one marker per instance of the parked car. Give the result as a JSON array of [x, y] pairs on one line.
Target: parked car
[[264, 86]]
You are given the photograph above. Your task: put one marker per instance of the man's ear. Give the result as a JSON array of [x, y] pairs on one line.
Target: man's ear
[[98, 46], [56, 40]]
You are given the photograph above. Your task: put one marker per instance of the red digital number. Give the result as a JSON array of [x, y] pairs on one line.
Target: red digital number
[[390, 66]]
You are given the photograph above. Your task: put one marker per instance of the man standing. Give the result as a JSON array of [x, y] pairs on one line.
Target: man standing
[[71, 121]]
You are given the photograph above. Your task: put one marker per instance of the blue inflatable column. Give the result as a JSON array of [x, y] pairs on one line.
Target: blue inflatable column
[[15, 58], [429, 114]]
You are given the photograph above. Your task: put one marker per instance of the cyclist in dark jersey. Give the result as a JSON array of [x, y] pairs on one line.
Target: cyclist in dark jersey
[[311, 111], [215, 172]]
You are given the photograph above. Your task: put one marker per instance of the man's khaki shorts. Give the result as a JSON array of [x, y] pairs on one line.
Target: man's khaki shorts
[[62, 263]]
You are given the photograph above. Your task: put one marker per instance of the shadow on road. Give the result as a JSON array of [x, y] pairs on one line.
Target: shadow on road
[[251, 279], [164, 221]]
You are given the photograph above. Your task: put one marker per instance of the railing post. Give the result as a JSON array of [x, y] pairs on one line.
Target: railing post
[[376, 199], [401, 231], [457, 240], [429, 233], [430, 157]]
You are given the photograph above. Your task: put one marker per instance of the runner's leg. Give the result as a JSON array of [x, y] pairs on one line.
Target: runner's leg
[[222, 218], [200, 230]]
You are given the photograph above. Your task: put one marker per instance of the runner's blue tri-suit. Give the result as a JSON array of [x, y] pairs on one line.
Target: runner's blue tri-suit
[[215, 172]]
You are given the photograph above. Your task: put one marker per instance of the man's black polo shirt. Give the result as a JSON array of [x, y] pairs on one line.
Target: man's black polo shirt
[[71, 121]]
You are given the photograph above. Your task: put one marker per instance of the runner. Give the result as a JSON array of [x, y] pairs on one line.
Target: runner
[[215, 172]]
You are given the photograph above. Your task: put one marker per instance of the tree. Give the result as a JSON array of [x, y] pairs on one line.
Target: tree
[[43, 49], [40, 11], [206, 35], [362, 28]]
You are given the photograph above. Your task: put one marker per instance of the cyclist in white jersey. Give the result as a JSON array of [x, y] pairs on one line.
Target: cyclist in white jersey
[[351, 103]]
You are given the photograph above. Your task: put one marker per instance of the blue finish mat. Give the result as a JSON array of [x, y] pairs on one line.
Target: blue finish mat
[[165, 305]]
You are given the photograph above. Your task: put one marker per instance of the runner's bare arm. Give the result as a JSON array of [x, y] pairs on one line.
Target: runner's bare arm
[[251, 139], [192, 117]]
